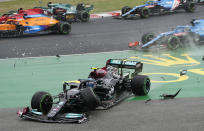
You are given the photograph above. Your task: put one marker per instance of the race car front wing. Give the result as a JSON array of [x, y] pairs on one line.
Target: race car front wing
[[32, 114]]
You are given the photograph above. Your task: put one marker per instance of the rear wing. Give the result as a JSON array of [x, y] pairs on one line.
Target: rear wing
[[128, 64]]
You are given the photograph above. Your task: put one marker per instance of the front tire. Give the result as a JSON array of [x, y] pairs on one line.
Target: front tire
[[42, 101], [189, 7], [125, 9], [147, 37], [140, 85], [90, 99]]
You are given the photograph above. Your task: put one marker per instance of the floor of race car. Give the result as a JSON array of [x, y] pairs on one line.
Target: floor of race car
[[156, 115]]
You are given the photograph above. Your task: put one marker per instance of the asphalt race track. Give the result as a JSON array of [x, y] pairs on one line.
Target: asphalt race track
[[157, 115], [101, 35]]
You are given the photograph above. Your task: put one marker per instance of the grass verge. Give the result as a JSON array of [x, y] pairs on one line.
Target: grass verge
[[99, 5]]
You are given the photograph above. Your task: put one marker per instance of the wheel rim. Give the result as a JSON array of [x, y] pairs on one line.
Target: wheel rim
[[46, 104], [85, 15], [173, 43], [150, 37], [127, 10], [145, 13], [192, 7], [66, 28], [147, 86]]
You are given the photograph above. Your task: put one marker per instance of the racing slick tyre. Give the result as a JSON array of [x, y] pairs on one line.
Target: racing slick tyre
[[144, 12], [64, 28], [140, 85], [173, 42], [125, 9], [84, 16], [90, 99], [189, 7], [147, 37], [42, 101]]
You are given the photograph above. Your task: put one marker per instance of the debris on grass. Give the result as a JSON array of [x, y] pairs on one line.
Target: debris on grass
[[170, 96], [58, 56], [183, 72]]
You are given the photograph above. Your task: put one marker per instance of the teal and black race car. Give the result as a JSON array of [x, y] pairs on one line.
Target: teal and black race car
[[68, 12], [104, 88]]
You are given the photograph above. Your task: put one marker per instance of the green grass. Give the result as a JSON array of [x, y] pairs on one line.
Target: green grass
[[99, 5]]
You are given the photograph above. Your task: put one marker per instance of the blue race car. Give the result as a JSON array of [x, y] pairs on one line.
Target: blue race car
[[157, 7], [179, 37]]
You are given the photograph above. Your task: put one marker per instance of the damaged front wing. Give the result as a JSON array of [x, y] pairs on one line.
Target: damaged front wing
[[32, 114]]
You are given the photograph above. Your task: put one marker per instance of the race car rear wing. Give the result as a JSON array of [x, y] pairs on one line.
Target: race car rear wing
[[128, 64]]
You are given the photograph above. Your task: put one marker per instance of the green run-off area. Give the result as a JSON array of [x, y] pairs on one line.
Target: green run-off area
[[21, 77]]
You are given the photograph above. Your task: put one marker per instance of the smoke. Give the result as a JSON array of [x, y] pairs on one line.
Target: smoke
[[192, 43]]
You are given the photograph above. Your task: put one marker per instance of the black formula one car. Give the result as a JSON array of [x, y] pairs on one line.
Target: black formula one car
[[104, 88]]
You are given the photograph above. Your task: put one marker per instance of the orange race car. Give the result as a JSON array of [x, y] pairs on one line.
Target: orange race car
[[32, 24]]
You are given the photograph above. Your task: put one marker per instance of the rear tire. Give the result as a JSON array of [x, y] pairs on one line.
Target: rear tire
[[140, 85], [173, 42], [189, 7], [64, 28], [90, 99], [84, 16], [42, 101]]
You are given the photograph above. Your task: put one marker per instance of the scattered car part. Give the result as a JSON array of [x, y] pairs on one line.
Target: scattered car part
[[170, 96]]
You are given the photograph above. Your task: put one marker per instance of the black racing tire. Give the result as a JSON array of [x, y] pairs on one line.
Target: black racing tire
[[144, 12], [189, 7], [20, 30], [42, 101], [125, 9], [64, 28], [84, 16], [173, 43], [140, 85], [147, 37], [90, 99]]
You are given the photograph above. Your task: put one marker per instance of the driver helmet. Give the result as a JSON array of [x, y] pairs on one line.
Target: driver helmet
[[101, 73]]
